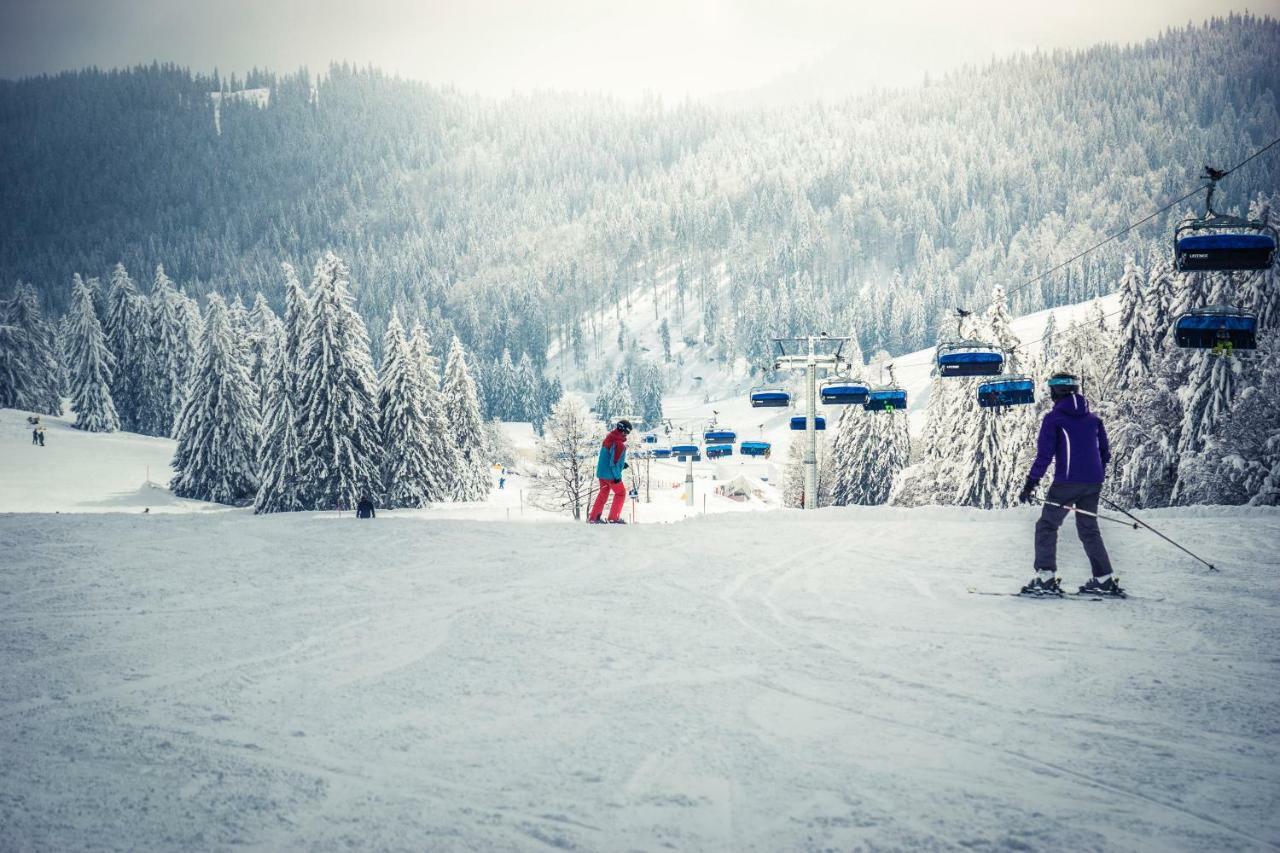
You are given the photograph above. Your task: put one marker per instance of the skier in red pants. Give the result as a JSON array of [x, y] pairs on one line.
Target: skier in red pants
[[613, 455]]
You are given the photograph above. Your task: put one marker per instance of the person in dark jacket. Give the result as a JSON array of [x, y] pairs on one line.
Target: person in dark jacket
[[364, 509], [609, 465], [1075, 441]]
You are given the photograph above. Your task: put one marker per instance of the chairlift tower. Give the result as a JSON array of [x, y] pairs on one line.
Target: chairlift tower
[[688, 469], [808, 356]]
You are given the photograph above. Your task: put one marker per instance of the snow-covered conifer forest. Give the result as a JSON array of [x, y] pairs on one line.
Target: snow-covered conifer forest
[[883, 215], [271, 297]]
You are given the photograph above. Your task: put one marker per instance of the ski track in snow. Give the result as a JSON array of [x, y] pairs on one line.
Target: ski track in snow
[[762, 682]]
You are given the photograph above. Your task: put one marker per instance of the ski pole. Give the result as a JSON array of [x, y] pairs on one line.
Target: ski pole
[[1077, 509], [1138, 521]]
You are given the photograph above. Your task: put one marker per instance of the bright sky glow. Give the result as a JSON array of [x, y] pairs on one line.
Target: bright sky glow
[[674, 48]]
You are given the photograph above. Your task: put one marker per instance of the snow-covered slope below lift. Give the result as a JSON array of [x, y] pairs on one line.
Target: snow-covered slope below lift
[[700, 388], [792, 681]]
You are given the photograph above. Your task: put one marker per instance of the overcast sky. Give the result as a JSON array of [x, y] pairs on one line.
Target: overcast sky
[[669, 47]]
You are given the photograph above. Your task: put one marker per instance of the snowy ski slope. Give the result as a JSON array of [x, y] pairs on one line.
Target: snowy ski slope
[[784, 681]]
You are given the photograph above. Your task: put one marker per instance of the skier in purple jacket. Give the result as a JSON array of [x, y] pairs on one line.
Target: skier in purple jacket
[[1074, 439]]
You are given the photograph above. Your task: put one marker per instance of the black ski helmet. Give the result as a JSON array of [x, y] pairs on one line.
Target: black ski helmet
[[624, 425], [1063, 385]]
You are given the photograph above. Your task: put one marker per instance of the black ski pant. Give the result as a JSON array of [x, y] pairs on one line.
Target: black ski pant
[[1082, 496]]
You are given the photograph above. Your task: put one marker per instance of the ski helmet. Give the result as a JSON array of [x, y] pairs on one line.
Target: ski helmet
[[1063, 385], [624, 425]]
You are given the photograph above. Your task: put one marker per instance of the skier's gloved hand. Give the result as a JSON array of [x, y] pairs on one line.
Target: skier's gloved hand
[[626, 465], [617, 481], [1024, 497]]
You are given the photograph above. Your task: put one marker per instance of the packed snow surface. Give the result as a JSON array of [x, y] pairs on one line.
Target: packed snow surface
[[778, 681]]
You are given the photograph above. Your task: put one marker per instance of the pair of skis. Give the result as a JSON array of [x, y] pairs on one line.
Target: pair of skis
[[1066, 596]]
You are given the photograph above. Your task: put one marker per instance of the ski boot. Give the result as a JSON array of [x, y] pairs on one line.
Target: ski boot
[[1107, 586], [616, 521], [1043, 584], [596, 521]]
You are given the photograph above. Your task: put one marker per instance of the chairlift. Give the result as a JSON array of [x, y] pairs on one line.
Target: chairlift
[[961, 356], [969, 358], [770, 398], [650, 438], [662, 453], [1217, 242], [755, 448], [886, 400], [843, 391], [716, 451], [798, 422], [719, 435], [684, 449], [1008, 390], [1218, 327]]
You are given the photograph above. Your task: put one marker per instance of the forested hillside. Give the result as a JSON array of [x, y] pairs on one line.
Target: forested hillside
[[507, 221]]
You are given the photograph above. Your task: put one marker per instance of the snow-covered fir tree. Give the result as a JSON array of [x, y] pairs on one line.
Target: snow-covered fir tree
[[442, 454], [405, 441], [266, 336], [462, 414], [295, 315], [216, 458], [1000, 437], [30, 361], [279, 473], [945, 450], [565, 480], [89, 365], [169, 357], [868, 451], [1241, 455], [125, 328], [1049, 340], [337, 410], [615, 401]]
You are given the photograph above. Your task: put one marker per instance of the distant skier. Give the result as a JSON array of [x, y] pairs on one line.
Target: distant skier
[[1075, 440], [609, 465], [502, 482], [364, 508], [35, 435], [40, 431]]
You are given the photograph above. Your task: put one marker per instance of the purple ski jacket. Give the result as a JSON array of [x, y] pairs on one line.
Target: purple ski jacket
[[1075, 440]]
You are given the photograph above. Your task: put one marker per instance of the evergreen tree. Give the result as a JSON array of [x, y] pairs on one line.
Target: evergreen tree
[[664, 334], [279, 471], [90, 364], [337, 413], [1049, 340], [869, 450], [442, 454], [125, 327], [30, 363], [296, 317], [405, 440], [615, 401], [1136, 353], [462, 414], [216, 457], [993, 476], [169, 358], [1240, 456], [266, 335]]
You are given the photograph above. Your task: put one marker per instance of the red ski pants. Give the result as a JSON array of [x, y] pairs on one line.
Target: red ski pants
[[619, 492]]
